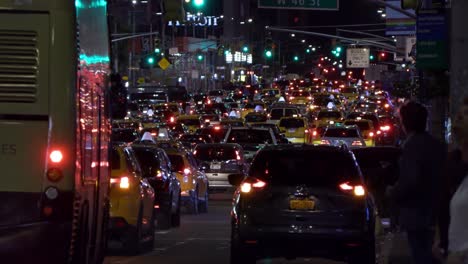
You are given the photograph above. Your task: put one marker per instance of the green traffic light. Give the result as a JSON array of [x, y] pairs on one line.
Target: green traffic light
[[150, 60], [296, 58], [307, 50], [268, 54], [338, 49], [371, 57], [157, 50], [245, 49], [200, 57], [199, 3]]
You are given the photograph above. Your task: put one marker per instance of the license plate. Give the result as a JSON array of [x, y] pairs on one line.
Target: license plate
[[302, 204], [292, 130], [215, 166]]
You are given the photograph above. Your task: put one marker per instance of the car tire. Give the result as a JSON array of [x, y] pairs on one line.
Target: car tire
[[175, 219], [192, 206], [132, 239], [164, 217], [239, 254], [203, 205]]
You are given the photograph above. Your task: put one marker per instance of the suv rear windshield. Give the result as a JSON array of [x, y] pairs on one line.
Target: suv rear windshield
[[291, 123], [255, 118], [177, 162], [208, 153], [341, 133], [250, 136], [189, 122], [329, 115], [363, 125], [304, 167], [277, 114]]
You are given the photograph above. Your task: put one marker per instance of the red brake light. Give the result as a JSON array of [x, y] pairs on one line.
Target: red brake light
[[314, 133], [172, 119], [357, 143], [124, 183], [56, 156], [371, 134], [325, 142], [187, 171], [386, 105], [385, 128], [248, 185], [358, 190]]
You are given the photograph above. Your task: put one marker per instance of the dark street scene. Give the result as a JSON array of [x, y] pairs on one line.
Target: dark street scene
[[234, 131]]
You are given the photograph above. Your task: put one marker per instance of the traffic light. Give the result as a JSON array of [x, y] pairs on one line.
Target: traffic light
[[148, 62], [268, 54], [337, 51], [307, 50], [268, 47], [296, 58], [157, 50], [371, 57], [198, 3], [245, 49], [200, 57]]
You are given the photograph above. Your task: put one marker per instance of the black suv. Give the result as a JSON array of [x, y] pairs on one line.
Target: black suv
[[156, 167], [302, 201]]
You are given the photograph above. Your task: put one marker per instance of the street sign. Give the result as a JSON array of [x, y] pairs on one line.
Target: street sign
[[300, 4], [357, 57], [164, 63], [432, 39], [174, 50]]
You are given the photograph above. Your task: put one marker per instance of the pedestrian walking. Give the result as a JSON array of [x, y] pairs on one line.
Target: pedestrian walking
[[458, 230], [417, 191]]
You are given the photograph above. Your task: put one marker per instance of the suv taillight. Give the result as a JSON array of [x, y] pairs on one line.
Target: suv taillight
[[252, 184], [357, 190]]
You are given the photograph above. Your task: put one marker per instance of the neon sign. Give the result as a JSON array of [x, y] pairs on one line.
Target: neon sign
[[197, 20]]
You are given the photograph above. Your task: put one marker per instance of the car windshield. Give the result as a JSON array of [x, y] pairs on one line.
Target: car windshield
[[249, 136], [189, 122], [341, 133], [349, 90], [300, 94], [304, 167], [329, 114], [217, 134], [363, 125], [148, 97], [177, 162], [146, 158], [221, 153], [255, 118], [291, 123], [278, 113], [125, 135]]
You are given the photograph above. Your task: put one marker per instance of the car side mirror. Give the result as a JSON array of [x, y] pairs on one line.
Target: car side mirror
[[235, 179]]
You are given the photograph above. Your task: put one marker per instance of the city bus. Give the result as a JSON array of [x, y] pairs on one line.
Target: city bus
[[54, 131]]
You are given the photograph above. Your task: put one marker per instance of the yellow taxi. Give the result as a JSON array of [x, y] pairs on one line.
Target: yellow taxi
[[233, 122], [329, 117], [350, 93], [192, 122], [193, 182], [127, 123], [366, 127], [132, 202], [250, 107], [255, 118], [174, 108], [295, 129], [300, 97], [316, 134]]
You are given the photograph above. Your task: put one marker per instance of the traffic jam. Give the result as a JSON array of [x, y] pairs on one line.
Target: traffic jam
[[301, 160]]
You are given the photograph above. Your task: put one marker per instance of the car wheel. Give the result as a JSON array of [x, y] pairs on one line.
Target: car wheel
[[175, 219], [164, 217], [192, 206], [239, 253], [132, 239], [203, 205]]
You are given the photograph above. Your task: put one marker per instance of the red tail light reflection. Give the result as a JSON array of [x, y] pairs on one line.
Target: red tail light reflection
[[358, 190], [249, 185]]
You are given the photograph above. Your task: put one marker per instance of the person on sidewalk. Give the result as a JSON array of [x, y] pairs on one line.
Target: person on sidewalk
[[417, 191], [458, 230]]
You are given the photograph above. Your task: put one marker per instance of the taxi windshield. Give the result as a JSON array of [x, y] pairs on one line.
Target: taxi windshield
[[363, 125], [291, 123], [248, 136], [331, 114], [341, 133], [221, 153]]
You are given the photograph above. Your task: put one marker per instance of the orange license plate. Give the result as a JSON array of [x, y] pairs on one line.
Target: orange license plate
[[302, 204]]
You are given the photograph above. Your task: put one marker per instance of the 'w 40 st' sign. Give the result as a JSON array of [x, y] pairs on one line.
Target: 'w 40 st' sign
[[300, 4]]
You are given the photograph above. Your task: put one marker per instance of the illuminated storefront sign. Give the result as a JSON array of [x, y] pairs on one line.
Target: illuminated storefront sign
[[238, 57], [197, 20]]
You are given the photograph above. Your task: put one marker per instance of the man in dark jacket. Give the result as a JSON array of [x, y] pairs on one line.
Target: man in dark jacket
[[417, 192]]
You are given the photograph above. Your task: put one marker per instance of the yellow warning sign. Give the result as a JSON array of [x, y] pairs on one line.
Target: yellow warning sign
[[164, 63]]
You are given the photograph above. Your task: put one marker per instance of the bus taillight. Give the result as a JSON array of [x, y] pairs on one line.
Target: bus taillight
[[56, 156]]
